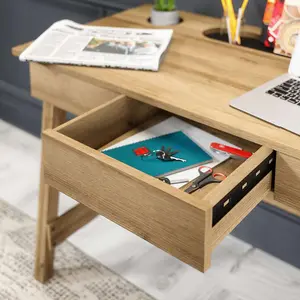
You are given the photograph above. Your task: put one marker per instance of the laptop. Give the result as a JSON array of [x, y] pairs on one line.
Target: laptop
[[277, 101]]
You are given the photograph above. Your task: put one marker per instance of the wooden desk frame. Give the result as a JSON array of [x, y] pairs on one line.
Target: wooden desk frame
[[62, 89]]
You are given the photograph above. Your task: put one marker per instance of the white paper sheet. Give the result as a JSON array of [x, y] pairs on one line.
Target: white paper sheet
[[173, 124]]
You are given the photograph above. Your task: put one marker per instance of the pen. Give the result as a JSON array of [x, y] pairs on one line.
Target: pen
[[232, 18], [228, 30], [241, 13], [227, 20]]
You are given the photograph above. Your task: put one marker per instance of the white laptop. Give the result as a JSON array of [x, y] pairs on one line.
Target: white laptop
[[277, 101]]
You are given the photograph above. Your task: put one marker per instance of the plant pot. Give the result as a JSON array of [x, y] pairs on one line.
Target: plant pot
[[164, 18]]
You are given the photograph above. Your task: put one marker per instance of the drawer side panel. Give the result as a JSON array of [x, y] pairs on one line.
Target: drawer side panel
[[241, 210]]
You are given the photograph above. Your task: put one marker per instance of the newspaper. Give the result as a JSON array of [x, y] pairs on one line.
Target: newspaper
[[67, 42]]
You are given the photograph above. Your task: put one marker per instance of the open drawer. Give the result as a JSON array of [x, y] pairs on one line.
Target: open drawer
[[186, 226]]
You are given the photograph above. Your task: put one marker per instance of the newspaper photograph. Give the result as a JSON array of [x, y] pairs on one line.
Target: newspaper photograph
[[67, 42]]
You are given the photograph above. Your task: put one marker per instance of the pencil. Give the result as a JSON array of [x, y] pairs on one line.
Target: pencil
[[224, 7], [244, 6]]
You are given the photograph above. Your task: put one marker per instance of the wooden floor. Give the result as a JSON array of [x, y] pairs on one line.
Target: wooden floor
[[239, 271]]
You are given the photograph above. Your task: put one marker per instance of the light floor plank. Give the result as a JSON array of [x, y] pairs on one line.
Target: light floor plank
[[239, 272]]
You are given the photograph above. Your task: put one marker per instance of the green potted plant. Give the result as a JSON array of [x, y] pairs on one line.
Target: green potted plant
[[164, 13]]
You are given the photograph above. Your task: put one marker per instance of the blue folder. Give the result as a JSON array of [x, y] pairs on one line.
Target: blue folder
[[188, 150]]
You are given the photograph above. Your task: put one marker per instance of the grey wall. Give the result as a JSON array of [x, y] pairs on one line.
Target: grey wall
[[22, 20]]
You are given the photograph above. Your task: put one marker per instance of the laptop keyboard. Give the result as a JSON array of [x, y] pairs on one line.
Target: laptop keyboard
[[287, 91]]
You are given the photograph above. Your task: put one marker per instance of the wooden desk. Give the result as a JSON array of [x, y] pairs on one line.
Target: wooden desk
[[197, 79]]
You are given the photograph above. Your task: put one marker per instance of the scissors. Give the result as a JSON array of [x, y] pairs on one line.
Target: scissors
[[206, 177]]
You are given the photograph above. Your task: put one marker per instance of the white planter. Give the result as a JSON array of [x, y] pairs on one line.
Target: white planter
[[164, 18]]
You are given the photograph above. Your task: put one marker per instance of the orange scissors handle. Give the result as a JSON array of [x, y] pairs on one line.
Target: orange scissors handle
[[206, 177]]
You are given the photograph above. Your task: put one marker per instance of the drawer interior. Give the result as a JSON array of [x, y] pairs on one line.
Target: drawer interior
[[186, 226], [226, 167], [133, 117], [137, 117]]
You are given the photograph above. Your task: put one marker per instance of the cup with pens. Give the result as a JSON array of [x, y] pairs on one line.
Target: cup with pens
[[233, 21]]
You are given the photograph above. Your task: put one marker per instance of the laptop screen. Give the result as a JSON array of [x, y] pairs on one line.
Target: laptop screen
[[294, 68]]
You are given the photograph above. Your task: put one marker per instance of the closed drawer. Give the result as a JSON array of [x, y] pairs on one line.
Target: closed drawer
[[187, 226], [65, 91], [287, 189]]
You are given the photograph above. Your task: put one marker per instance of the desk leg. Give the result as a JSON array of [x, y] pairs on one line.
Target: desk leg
[[48, 204]]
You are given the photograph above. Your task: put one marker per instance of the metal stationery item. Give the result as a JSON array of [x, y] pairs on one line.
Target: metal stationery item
[[173, 181], [206, 177], [168, 155], [231, 151]]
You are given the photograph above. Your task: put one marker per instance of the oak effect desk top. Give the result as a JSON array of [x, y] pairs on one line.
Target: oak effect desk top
[[197, 79]]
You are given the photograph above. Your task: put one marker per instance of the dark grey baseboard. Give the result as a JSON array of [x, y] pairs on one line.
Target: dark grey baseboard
[[274, 231], [267, 227], [106, 7], [103, 4], [19, 108]]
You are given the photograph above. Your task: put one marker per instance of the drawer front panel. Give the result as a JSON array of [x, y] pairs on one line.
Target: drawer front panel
[[155, 215]]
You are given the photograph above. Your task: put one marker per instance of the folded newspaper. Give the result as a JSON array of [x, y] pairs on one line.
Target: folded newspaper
[[67, 42]]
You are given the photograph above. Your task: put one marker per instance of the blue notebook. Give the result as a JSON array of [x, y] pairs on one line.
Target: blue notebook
[[188, 150]]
